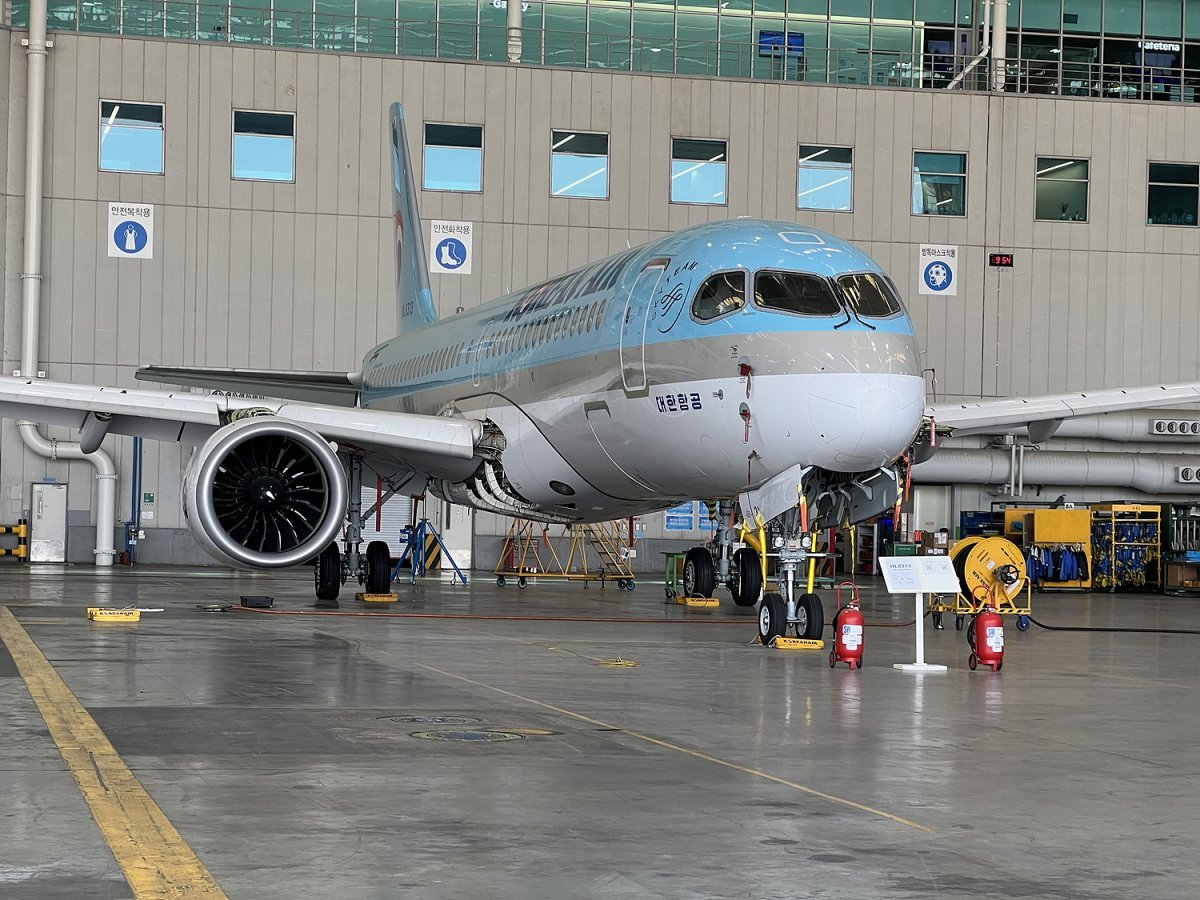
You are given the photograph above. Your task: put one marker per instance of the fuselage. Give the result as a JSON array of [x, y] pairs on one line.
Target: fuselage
[[698, 365]]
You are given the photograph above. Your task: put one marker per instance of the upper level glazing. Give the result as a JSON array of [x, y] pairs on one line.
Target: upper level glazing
[[1108, 48]]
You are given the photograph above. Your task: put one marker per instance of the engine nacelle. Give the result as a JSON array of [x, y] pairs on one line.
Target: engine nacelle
[[265, 493]]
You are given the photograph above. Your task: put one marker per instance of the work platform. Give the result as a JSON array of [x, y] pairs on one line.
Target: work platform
[[474, 741]]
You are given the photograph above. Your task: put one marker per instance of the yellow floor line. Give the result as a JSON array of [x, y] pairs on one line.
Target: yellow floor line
[[667, 745], [155, 859]]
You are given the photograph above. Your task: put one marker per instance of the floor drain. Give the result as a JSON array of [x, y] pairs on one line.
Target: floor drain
[[480, 737]]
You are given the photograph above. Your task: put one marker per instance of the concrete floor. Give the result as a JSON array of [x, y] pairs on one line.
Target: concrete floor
[[282, 748]]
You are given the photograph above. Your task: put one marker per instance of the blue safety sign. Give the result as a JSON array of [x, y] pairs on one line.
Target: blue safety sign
[[451, 253], [130, 237], [938, 276]]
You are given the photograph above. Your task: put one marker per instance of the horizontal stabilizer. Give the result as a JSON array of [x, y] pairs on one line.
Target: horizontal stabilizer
[[331, 388]]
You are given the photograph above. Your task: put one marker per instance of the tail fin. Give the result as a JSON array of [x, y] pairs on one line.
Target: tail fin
[[414, 300]]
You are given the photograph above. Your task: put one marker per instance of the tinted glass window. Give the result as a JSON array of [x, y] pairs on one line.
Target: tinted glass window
[[453, 158], [264, 146], [869, 295], [808, 295], [721, 294], [131, 137]]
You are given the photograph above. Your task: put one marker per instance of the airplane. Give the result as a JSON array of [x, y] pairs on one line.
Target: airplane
[[769, 365]]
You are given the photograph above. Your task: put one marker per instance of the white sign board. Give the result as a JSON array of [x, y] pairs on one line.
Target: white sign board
[[937, 269], [130, 230], [450, 248], [919, 574]]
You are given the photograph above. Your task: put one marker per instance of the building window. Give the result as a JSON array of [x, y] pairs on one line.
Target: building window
[[939, 184], [1062, 189], [453, 158], [1173, 194], [264, 146], [826, 178], [131, 137], [579, 165], [698, 171]]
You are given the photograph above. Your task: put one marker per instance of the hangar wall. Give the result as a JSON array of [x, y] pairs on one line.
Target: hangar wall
[[298, 275]]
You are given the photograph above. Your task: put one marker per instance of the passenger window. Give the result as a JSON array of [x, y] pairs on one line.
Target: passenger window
[[721, 294], [805, 295], [870, 295]]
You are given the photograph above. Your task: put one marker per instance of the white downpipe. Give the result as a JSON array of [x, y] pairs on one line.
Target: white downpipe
[[984, 49], [31, 288], [1150, 473], [999, 44], [514, 30]]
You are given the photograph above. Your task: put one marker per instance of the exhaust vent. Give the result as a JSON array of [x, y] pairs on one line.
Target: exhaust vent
[[1187, 474], [1175, 426]]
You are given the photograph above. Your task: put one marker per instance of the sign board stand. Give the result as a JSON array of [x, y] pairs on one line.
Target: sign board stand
[[919, 575]]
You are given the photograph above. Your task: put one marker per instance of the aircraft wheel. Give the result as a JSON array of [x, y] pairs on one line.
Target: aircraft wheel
[[772, 618], [698, 577], [379, 567], [810, 617], [746, 582], [328, 574]]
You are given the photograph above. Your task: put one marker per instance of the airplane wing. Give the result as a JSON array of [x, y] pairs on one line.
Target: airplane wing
[[1043, 414], [191, 418], [333, 388]]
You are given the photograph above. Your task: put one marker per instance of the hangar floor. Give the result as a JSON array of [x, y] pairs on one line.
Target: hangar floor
[[303, 755]]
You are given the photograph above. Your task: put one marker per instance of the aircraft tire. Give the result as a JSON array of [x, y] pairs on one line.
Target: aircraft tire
[[772, 618], [699, 579], [814, 617], [746, 584], [379, 567], [328, 574]]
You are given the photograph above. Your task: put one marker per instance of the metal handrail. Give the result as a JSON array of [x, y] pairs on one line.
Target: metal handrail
[[392, 37]]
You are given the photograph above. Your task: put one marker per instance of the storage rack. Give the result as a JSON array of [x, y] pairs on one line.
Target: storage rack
[[866, 549], [1061, 531], [1126, 547], [1181, 548]]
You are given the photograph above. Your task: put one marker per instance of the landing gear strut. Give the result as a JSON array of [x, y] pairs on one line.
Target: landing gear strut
[[801, 611]]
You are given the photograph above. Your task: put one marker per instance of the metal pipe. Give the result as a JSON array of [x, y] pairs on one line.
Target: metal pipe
[[984, 49], [1148, 473], [999, 44], [514, 30], [1125, 427], [31, 287]]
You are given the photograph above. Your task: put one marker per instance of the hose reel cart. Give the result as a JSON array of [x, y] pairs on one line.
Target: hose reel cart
[[991, 572]]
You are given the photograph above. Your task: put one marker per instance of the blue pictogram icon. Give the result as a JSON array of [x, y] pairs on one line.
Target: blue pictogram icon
[[451, 253], [938, 276], [130, 237]]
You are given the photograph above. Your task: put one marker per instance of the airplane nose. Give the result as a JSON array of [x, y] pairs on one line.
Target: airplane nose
[[865, 421]]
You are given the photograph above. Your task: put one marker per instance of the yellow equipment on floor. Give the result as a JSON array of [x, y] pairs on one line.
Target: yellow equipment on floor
[[991, 572]]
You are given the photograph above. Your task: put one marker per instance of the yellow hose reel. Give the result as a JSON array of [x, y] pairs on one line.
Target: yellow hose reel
[[993, 563]]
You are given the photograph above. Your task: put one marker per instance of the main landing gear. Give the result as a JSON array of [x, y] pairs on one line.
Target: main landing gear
[[333, 567]]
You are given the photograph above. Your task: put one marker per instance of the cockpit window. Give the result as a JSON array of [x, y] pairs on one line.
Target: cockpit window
[[721, 294], [807, 295], [869, 295]]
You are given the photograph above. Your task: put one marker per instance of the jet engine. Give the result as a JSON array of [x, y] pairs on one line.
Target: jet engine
[[264, 492]]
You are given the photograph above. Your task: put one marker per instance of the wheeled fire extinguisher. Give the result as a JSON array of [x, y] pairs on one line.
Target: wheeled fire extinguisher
[[847, 632], [986, 637]]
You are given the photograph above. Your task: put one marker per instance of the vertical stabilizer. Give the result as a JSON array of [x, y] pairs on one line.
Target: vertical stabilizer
[[414, 300]]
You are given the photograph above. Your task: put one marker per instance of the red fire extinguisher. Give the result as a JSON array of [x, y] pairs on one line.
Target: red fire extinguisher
[[847, 632], [986, 637]]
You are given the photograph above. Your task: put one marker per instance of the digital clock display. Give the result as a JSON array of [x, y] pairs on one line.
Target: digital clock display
[[1000, 260]]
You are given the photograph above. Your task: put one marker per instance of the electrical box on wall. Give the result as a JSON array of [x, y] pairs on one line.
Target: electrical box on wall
[[48, 523]]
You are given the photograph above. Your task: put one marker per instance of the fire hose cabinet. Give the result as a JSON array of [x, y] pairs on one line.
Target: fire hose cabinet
[[48, 523]]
